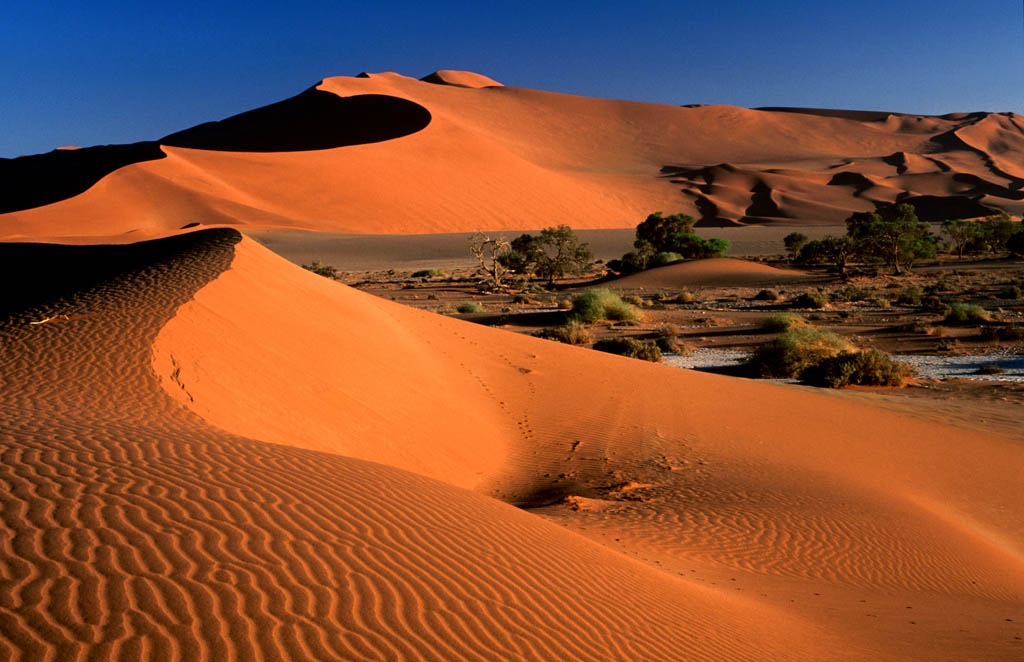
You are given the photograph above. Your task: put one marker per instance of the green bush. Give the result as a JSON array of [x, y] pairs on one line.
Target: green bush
[[868, 368], [572, 333], [766, 295], [965, 313], [601, 304], [809, 299], [469, 307], [780, 322], [850, 293], [631, 347], [792, 352], [428, 273]]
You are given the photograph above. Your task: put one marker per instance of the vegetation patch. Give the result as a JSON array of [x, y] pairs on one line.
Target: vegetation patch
[[631, 347], [792, 352], [572, 333], [867, 368], [601, 304], [469, 307], [966, 313]]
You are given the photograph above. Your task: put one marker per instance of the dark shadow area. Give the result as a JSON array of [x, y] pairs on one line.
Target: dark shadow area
[[858, 115], [312, 120], [40, 274], [42, 179], [934, 208]]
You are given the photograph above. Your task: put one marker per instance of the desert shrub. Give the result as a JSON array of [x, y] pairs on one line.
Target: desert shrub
[[428, 273], [572, 333], [792, 352], [965, 313], [633, 300], [686, 296], [809, 299], [432, 297], [469, 307], [868, 368], [320, 269], [631, 347], [520, 299], [912, 296], [934, 304], [1010, 292], [780, 322], [596, 305], [881, 302], [989, 369], [766, 295], [565, 304], [850, 293], [1008, 332]]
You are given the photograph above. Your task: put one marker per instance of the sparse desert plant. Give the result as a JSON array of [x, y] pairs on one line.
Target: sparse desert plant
[[572, 333], [1002, 332], [428, 273], [780, 322], [912, 296], [966, 313], [792, 352], [320, 269], [469, 307], [1010, 292], [665, 258], [631, 347], [850, 293], [565, 304], [686, 296], [990, 369], [601, 304], [766, 295], [633, 300], [868, 368], [881, 302], [809, 299]]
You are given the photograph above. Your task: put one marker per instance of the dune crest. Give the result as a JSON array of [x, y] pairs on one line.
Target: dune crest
[[502, 158]]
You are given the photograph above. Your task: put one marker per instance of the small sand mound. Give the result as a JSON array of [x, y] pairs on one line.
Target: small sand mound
[[715, 272], [460, 79]]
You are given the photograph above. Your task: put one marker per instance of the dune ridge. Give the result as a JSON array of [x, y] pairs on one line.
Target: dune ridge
[[496, 158]]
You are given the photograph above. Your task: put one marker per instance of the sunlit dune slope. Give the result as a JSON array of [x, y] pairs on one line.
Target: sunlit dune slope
[[714, 272], [210, 453], [494, 157]]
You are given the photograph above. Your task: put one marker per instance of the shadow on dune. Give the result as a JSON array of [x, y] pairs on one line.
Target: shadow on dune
[[312, 120], [46, 273]]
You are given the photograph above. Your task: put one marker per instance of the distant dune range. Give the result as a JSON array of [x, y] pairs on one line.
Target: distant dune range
[[211, 454], [458, 152]]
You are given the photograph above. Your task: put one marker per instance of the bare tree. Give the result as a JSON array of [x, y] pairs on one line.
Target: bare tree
[[488, 252]]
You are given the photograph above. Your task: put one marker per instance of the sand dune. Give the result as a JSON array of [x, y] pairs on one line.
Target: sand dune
[[715, 272], [212, 454], [499, 158]]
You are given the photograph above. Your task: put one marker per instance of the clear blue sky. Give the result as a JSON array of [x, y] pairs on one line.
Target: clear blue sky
[[106, 71]]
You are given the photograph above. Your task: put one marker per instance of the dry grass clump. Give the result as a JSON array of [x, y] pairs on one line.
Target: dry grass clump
[[966, 313], [780, 322], [809, 299], [469, 307], [793, 351], [631, 347], [867, 368], [572, 333], [601, 304]]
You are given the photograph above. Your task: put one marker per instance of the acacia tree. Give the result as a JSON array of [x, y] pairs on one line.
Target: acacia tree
[[660, 231], [794, 241], [961, 233], [892, 234], [561, 254], [837, 251]]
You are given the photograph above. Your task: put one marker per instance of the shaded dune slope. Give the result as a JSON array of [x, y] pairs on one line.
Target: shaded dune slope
[[132, 529], [715, 272], [501, 158]]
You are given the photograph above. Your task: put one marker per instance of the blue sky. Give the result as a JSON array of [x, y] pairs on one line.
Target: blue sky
[[111, 71]]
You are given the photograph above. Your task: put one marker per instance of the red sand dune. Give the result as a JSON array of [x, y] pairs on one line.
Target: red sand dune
[[715, 272], [210, 453], [500, 158]]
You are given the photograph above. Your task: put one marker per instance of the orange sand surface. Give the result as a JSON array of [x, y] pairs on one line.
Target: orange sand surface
[[715, 272], [459, 152], [211, 454]]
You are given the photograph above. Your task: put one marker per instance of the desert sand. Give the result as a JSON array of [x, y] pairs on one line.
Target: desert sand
[[210, 453], [458, 152]]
